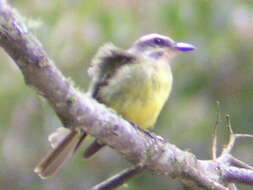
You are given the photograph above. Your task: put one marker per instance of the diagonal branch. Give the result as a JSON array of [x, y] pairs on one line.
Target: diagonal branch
[[79, 110], [119, 179], [238, 175]]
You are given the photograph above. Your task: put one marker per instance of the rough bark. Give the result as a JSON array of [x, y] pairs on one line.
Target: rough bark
[[76, 109]]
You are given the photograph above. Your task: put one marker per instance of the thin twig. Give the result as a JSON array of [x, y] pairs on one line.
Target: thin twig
[[119, 179], [228, 121], [231, 139], [239, 164], [217, 122], [242, 136]]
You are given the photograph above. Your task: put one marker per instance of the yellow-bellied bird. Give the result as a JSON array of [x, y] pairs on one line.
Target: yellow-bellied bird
[[135, 83]]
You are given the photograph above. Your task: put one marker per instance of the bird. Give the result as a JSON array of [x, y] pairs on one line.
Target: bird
[[135, 82]]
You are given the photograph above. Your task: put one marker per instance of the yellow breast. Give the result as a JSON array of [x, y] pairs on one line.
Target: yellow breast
[[138, 94], [145, 110]]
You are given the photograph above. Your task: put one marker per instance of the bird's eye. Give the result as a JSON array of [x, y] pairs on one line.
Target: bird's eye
[[158, 41]]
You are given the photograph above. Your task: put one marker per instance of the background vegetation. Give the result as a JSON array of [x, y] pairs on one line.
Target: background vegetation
[[71, 32]]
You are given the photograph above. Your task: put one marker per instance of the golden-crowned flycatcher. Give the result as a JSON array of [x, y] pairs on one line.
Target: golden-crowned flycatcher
[[135, 83]]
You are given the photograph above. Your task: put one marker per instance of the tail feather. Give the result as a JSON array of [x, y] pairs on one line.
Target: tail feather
[[81, 139], [64, 150], [94, 147]]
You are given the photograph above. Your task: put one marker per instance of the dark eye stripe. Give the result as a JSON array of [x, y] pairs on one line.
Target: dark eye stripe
[[159, 41], [155, 42]]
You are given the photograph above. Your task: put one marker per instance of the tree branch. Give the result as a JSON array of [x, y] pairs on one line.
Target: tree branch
[[119, 179], [76, 109], [238, 175]]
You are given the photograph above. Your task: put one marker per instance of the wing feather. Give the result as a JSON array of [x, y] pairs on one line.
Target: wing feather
[[106, 62]]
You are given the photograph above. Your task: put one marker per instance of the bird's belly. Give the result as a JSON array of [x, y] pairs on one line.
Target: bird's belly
[[143, 105], [138, 98], [144, 112]]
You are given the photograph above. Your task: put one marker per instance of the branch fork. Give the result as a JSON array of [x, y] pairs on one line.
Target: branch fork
[[145, 152]]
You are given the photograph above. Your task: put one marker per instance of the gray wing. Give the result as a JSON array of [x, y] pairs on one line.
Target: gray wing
[[106, 62]]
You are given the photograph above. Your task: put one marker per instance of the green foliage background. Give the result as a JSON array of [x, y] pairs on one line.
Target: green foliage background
[[71, 32]]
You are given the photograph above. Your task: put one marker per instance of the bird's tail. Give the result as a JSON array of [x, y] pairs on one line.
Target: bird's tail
[[65, 144], [94, 147]]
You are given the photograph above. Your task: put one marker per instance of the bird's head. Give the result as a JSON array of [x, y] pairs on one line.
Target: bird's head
[[157, 46]]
